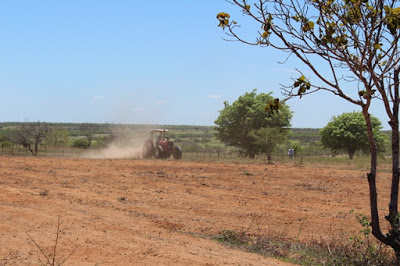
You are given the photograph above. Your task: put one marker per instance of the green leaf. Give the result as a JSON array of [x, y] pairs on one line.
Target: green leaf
[[396, 11], [308, 26], [265, 34], [223, 19], [378, 46], [383, 63]]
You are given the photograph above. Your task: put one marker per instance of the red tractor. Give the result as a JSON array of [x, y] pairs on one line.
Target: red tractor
[[162, 148]]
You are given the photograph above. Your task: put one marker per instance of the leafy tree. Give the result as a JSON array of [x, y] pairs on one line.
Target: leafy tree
[[31, 136], [88, 130], [80, 143], [268, 138], [57, 137], [244, 124], [4, 142], [356, 41], [3, 139], [347, 132]]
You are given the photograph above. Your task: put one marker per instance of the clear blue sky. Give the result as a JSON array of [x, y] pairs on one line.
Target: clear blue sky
[[124, 61]]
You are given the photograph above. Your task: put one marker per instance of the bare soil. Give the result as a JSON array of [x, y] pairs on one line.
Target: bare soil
[[147, 212]]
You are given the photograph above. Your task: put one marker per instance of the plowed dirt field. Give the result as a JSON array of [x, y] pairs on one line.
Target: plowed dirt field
[[147, 212]]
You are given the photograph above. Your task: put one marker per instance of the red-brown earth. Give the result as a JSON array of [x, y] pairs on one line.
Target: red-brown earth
[[147, 212]]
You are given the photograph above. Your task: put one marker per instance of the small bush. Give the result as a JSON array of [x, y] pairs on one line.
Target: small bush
[[81, 143], [5, 144]]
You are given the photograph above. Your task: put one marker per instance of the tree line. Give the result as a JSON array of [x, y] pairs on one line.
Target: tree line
[[246, 125], [231, 134], [34, 135]]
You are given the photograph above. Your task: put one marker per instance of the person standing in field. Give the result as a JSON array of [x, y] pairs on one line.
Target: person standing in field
[[291, 153]]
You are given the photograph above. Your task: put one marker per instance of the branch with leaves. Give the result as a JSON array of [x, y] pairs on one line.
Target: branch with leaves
[[356, 41]]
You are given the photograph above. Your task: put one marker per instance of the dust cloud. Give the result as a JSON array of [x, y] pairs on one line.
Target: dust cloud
[[125, 143]]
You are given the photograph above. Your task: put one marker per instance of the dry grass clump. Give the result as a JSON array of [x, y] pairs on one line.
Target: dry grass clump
[[360, 249]]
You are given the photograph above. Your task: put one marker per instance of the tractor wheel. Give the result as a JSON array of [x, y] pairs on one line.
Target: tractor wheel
[[177, 153], [159, 152]]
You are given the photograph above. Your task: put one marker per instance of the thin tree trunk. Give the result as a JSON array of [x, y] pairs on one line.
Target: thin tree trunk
[[269, 157], [351, 154], [30, 149], [36, 148], [391, 239], [373, 195], [393, 216], [394, 194], [394, 123]]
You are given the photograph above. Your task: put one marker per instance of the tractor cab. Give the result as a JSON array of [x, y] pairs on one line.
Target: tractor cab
[[163, 141], [161, 147]]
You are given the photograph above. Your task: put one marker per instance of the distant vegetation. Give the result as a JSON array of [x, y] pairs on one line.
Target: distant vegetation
[[69, 139]]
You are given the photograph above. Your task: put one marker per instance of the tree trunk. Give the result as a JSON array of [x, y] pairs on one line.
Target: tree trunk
[[351, 153], [373, 195], [30, 149], [394, 194], [391, 239], [252, 154], [36, 148], [393, 216], [269, 157]]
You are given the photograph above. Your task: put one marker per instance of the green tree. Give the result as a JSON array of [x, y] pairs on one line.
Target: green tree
[[89, 131], [80, 143], [347, 132], [243, 124], [57, 137], [356, 43], [268, 138]]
